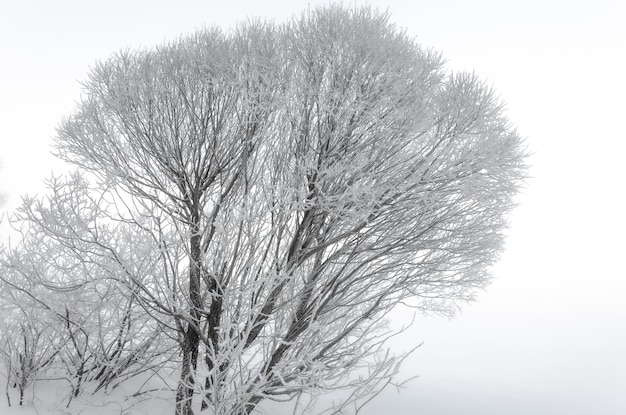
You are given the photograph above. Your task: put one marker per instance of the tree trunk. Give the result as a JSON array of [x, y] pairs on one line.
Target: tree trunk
[[213, 321], [191, 338], [184, 394]]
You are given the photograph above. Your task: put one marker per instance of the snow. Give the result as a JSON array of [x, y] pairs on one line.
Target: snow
[[49, 397]]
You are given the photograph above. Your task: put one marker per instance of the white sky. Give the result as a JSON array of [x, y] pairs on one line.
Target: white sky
[[549, 336]]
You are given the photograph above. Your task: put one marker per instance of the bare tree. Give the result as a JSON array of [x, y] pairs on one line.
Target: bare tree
[[296, 182], [28, 346], [66, 297]]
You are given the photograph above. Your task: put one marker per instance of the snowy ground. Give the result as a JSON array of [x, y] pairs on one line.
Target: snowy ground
[[51, 398]]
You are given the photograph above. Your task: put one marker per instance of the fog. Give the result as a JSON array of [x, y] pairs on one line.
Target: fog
[[547, 337]]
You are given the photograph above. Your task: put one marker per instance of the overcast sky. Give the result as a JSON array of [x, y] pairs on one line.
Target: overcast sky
[[549, 335]]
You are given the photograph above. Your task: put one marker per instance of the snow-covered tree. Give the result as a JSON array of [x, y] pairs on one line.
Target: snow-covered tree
[[67, 302], [293, 184]]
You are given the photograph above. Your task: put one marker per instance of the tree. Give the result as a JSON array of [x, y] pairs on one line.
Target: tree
[[66, 306], [296, 182]]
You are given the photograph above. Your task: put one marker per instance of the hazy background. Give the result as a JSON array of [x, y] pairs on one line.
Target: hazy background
[[549, 335]]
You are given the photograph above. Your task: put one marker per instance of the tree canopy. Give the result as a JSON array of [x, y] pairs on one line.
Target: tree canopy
[[268, 194]]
